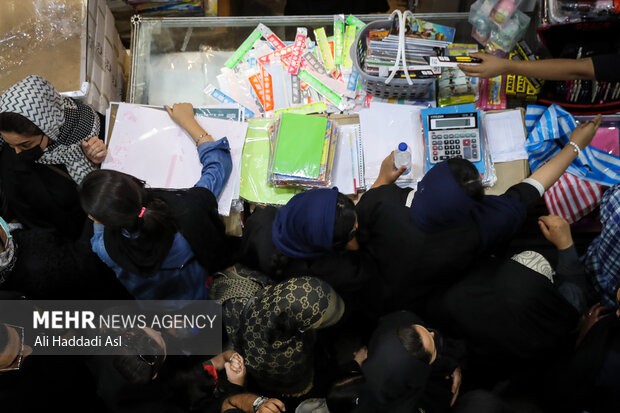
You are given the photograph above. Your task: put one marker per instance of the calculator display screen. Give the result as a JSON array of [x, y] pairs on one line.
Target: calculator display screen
[[451, 123]]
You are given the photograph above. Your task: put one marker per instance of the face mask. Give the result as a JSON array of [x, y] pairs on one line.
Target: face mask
[[31, 155]]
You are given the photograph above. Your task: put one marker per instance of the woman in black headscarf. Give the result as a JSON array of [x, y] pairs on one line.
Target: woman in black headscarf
[[49, 144], [313, 234], [402, 374], [423, 240], [512, 317]]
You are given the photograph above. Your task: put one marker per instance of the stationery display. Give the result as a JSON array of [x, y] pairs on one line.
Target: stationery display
[[454, 86], [386, 78], [523, 87], [254, 185]]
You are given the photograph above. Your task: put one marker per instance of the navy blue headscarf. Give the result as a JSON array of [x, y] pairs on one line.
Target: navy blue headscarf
[[441, 204], [304, 227]]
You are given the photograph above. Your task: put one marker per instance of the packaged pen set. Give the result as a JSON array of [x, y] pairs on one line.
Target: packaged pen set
[[523, 87]]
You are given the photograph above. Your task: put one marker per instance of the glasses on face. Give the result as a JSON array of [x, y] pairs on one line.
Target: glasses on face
[[16, 364]]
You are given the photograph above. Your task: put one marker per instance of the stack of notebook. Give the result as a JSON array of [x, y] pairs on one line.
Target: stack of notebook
[[303, 151]]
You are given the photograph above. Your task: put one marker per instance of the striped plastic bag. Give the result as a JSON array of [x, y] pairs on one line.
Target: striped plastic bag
[[549, 130], [573, 198]]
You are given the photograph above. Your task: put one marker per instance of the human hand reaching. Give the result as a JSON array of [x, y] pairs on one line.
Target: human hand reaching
[[388, 174], [583, 134], [594, 315], [557, 230], [94, 149], [235, 369], [491, 66], [182, 114], [271, 406]]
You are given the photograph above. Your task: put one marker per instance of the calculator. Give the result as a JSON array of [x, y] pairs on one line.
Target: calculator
[[453, 132]]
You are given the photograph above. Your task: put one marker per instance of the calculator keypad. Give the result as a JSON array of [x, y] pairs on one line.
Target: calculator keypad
[[454, 145]]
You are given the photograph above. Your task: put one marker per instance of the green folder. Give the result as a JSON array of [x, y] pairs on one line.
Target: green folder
[[299, 147], [254, 185]]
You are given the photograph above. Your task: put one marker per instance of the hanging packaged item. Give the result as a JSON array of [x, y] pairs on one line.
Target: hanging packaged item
[[492, 93]]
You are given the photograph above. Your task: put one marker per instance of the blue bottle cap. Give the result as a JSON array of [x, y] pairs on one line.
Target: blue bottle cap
[[402, 146]]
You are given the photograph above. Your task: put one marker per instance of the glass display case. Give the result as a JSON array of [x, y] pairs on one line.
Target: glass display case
[[176, 58]]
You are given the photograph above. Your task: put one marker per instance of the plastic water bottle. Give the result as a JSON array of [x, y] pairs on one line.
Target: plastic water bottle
[[402, 157]]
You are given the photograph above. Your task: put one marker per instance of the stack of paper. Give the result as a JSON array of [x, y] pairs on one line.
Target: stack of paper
[[505, 132], [146, 143], [303, 151], [383, 127]]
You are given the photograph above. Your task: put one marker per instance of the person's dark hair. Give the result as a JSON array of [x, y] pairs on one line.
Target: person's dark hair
[[191, 384], [283, 328], [467, 177], [4, 337], [116, 199], [343, 396], [143, 357], [344, 223], [412, 341], [16, 123], [278, 263]]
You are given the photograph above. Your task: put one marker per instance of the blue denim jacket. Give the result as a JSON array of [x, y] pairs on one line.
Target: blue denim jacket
[[181, 277]]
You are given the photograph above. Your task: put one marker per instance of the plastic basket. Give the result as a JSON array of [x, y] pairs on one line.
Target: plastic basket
[[396, 88]]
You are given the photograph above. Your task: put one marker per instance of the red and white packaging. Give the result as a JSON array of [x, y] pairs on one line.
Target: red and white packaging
[[298, 49], [266, 59], [270, 36], [572, 198]]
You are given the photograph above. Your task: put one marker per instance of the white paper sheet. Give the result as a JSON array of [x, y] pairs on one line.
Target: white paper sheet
[[383, 127], [505, 134], [147, 144], [343, 169]]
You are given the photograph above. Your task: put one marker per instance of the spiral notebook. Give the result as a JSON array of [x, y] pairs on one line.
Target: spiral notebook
[[348, 170]]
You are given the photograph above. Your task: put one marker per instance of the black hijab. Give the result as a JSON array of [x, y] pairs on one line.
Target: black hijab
[[195, 216], [395, 380], [40, 197], [508, 314], [440, 204]]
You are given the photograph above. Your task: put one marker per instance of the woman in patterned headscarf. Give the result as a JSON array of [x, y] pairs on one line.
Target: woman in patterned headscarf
[[49, 144], [273, 326]]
